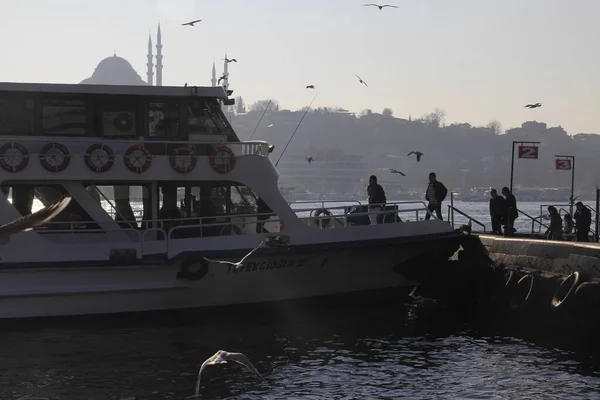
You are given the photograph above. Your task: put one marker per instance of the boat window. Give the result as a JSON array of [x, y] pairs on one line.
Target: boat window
[[217, 116], [163, 120], [200, 119], [64, 117], [118, 123], [16, 115]]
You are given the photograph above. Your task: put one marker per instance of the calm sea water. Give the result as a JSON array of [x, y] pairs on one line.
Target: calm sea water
[[415, 350]]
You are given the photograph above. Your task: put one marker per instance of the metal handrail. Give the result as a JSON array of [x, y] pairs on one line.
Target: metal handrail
[[451, 207], [533, 221]]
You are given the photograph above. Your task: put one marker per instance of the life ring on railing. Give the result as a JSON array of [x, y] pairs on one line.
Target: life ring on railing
[[322, 222], [566, 287], [222, 159], [179, 157], [137, 158], [16, 159], [198, 272], [99, 157], [55, 157]]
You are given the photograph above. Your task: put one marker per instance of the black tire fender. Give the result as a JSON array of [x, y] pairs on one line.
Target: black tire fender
[[193, 268]]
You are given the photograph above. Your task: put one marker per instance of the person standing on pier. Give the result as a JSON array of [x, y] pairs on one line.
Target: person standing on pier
[[497, 211], [435, 194], [583, 220], [554, 232], [512, 213], [377, 198]]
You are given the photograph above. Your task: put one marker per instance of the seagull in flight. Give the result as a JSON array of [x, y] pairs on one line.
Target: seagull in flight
[[310, 159], [361, 81], [37, 218], [536, 105], [270, 126], [191, 23], [221, 357], [224, 77], [240, 263], [310, 87], [227, 60], [381, 7], [417, 153], [395, 171]]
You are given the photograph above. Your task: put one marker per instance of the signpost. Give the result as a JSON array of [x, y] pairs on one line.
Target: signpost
[[566, 163], [527, 150]]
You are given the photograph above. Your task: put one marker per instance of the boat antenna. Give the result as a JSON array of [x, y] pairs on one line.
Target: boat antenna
[[261, 117], [295, 130]]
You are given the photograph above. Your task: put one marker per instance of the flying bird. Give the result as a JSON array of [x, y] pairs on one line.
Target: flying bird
[[228, 60], [310, 87], [37, 218], [417, 153], [395, 171], [536, 105], [310, 159], [270, 126], [381, 7], [221, 357], [224, 77], [240, 263], [361, 81], [191, 23]]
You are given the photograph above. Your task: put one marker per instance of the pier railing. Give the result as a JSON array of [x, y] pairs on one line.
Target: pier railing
[[452, 210], [562, 210]]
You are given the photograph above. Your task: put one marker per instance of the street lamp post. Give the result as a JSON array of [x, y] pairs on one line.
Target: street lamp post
[[565, 163]]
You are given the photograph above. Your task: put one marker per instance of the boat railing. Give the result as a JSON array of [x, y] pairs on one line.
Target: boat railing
[[322, 202]]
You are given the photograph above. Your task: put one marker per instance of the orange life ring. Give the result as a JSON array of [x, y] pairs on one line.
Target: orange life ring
[[50, 161], [222, 159], [16, 162], [181, 153], [133, 162], [99, 166]]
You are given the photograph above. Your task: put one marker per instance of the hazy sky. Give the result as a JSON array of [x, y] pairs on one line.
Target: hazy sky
[[476, 59]]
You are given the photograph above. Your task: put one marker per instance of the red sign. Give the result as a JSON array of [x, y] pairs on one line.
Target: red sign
[[563, 164], [530, 152]]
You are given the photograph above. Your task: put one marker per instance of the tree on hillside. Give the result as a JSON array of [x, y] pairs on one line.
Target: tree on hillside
[[436, 118], [495, 127], [365, 112], [261, 105], [387, 112], [240, 106]]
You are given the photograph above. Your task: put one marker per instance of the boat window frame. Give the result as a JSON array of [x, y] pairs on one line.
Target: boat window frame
[[89, 113]]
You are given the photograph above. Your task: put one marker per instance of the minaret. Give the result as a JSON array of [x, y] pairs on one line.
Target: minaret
[[214, 75], [150, 73], [159, 65], [226, 73]]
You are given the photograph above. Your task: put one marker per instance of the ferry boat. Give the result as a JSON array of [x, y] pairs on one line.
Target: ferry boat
[[160, 187]]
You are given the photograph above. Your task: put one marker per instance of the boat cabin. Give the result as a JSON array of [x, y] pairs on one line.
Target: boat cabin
[[132, 157]]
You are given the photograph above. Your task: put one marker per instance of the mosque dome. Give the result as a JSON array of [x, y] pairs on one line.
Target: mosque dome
[[114, 71]]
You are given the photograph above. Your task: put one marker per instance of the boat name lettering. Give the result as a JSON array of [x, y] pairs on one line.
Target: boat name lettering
[[253, 266]]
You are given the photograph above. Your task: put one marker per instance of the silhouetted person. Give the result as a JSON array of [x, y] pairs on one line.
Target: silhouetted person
[[497, 211], [435, 194], [583, 220], [569, 225], [554, 232], [512, 212], [376, 196], [262, 208]]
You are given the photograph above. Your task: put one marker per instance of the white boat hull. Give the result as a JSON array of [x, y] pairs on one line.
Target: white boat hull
[[269, 275]]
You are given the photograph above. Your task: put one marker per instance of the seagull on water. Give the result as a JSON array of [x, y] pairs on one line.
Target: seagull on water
[[310, 159], [310, 87], [221, 357], [361, 81], [191, 23], [395, 171], [417, 153], [37, 218], [536, 105], [381, 7], [240, 263]]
